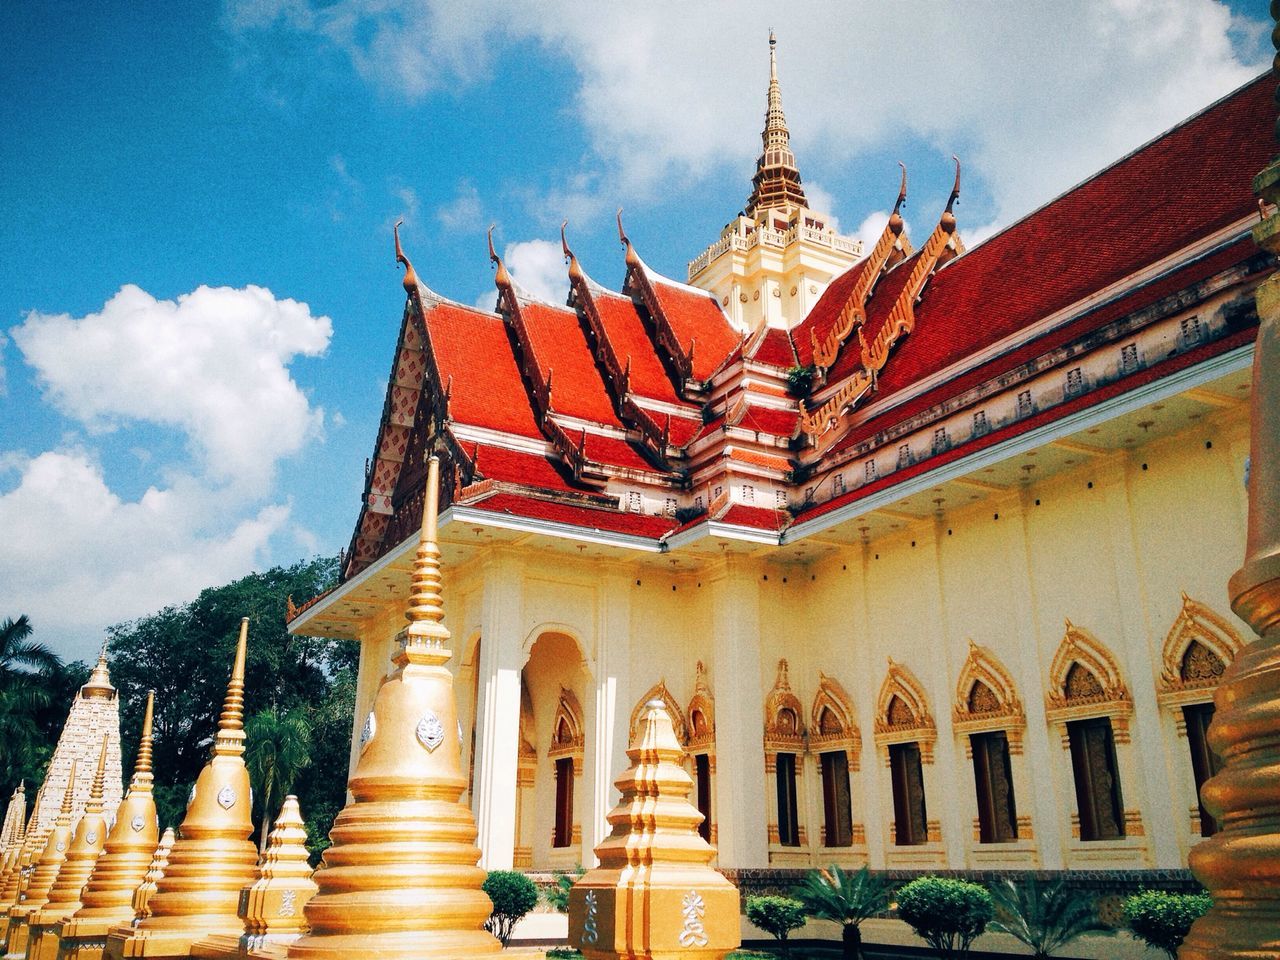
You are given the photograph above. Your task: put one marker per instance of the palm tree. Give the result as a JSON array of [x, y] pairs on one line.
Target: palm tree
[[1044, 918], [278, 749], [21, 659], [846, 899]]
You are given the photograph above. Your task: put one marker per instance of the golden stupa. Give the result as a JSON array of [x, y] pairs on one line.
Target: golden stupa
[[36, 893], [401, 881], [16, 877], [155, 872], [15, 815], [107, 898], [272, 907], [654, 895], [213, 857], [44, 926]]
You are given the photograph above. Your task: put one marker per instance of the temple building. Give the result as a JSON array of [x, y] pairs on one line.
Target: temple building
[[922, 546]]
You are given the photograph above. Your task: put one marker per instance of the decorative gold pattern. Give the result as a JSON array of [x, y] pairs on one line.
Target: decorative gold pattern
[[702, 714], [271, 907], [1196, 651], [832, 725], [1085, 680], [659, 691], [902, 712], [986, 696], [783, 716]]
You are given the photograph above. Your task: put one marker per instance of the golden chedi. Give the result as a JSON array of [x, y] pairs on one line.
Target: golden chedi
[[401, 881], [213, 858], [107, 898], [43, 875], [16, 878], [45, 925], [654, 894], [155, 872], [15, 815], [1240, 864]]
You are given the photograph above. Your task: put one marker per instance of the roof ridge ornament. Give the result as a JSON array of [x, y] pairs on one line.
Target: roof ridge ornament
[[633, 258], [575, 269], [410, 279]]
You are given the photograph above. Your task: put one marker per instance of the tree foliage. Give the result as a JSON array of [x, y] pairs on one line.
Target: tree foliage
[[776, 916], [948, 914], [843, 898], [513, 895], [1045, 918], [1162, 920]]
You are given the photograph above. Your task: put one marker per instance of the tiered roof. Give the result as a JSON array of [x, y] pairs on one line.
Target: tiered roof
[[644, 412]]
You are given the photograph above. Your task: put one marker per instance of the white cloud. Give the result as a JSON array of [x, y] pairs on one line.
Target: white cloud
[[538, 266], [1033, 103], [79, 557], [212, 364], [4, 343], [821, 201], [464, 211]]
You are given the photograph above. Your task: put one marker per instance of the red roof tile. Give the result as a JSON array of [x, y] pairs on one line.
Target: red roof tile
[[778, 423], [472, 348], [636, 524], [560, 349], [695, 316], [824, 313], [517, 466], [629, 340], [775, 348], [760, 518]]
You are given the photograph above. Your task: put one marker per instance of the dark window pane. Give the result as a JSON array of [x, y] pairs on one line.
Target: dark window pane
[[1204, 762], [788, 818], [702, 774], [1093, 763], [564, 802], [992, 772], [837, 812], [910, 822]]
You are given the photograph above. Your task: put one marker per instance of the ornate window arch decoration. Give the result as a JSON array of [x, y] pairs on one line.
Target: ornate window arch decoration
[[987, 698], [567, 738], [832, 725], [1196, 651], [659, 691], [702, 715], [783, 716], [1085, 681], [902, 712]]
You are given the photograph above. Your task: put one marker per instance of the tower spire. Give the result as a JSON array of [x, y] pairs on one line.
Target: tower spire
[[777, 179]]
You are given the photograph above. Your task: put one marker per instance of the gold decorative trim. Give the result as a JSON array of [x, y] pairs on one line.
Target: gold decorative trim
[[901, 683], [784, 717], [658, 691], [702, 737], [1080, 647], [832, 699], [983, 666], [1196, 623], [567, 738]]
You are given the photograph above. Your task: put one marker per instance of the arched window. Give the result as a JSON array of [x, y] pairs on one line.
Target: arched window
[[987, 709], [834, 738], [784, 744], [906, 731], [566, 756], [702, 748]]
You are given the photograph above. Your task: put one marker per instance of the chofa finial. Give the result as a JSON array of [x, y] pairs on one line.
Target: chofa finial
[[410, 279], [501, 278], [575, 268]]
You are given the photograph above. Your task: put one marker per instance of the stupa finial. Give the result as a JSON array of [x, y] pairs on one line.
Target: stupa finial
[[426, 638], [142, 766], [230, 739]]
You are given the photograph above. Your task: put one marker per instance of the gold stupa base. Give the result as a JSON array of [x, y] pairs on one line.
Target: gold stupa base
[[412, 944], [19, 934], [156, 941], [245, 947], [43, 940], [85, 938]]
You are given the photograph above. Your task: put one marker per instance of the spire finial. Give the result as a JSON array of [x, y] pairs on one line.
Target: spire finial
[[410, 280], [773, 57], [777, 179], [99, 780], [949, 218], [68, 795], [426, 638], [501, 278], [575, 268], [142, 766], [98, 686], [230, 739], [633, 258]]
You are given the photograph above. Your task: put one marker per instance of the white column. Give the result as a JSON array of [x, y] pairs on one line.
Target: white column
[[607, 756], [950, 803], [498, 714], [739, 716]]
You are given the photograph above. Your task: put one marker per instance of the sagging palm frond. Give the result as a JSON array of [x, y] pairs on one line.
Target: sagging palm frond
[[21, 661], [1045, 918], [279, 748], [843, 898]]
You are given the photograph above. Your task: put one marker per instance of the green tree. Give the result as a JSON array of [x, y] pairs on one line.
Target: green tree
[[1162, 920], [777, 916], [513, 895], [948, 914], [22, 661], [277, 749], [1045, 918], [843, 898], [32, 681]]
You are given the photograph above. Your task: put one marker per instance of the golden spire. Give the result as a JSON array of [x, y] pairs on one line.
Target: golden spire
[[32, 843], [155, 872], [107, 898], [213, 858], [98, 686], [82, 854], [777, 179], [405, 820], [46, 869], [272, 907], [611, 913]]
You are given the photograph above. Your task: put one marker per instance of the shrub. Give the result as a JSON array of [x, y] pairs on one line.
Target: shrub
[[513, 895], [843, 898], [563, 953], [1044, 918], [1162, 919], [777, 916], [685, 514], [556, 896], [948, 914], [800, 380]]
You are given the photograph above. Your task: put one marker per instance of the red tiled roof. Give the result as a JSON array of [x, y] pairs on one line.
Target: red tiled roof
[[778, 423], [517, 466], [695, 316], [560, 349], [472, 348], [627, 336], [760, 518], [1186, 185], [879, 307], [776, 348], [636, 524], [614, 452], [823, 315]]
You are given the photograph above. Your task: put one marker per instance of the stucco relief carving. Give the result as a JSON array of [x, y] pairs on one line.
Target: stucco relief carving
[[567, 737], [783, 716], [1197, 649], [702, 715], [1085, 680], [902, 711], [658, 691], [832, 725], [986, 696]]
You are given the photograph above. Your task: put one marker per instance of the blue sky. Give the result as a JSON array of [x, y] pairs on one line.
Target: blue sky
[[164, 438]]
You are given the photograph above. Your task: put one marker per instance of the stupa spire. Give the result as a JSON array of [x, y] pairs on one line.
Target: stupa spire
[[44, 926], [14, 816], [42, 878], [273, 906], [405, 839], [213, 858], [107, 898], [26, 854], [777, 179], [154, 874]]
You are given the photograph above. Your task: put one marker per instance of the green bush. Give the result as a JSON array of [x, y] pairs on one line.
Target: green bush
[[948, 914], [556, 896], [513, 895], [1162, 919], [777, 916], [563, 953]]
